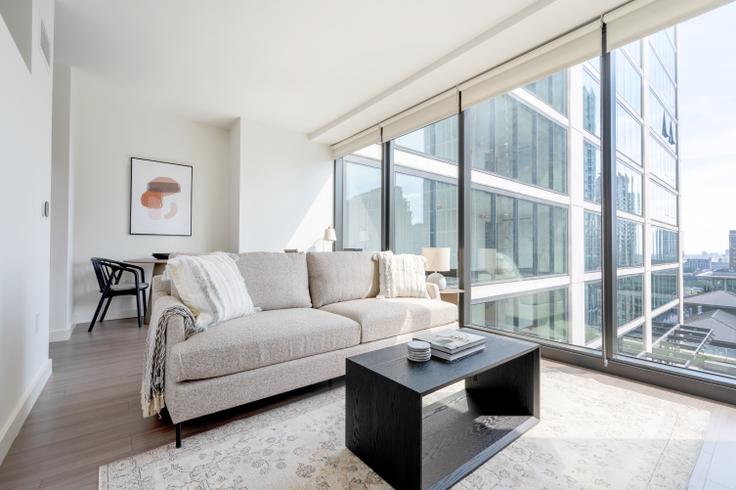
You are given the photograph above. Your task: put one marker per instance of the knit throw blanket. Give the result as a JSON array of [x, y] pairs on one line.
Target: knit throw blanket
[[152, 389]]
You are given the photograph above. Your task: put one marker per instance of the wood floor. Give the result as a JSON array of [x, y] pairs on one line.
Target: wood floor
[[89, 414]]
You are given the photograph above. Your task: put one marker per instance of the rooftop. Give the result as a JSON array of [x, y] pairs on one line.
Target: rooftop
[[722, 323], [714, 299]]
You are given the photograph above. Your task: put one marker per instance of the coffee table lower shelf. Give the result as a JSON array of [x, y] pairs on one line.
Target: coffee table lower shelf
[[458, 437]]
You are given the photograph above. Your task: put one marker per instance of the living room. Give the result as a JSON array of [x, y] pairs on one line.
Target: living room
[[345, 244]]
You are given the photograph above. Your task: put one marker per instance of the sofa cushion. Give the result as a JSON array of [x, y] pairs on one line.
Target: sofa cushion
[[261, 339], [211, 286], [341, 276], [382, 318], [276, 280]]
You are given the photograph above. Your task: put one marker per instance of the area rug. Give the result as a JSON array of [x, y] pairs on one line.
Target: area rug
[[591, 435]]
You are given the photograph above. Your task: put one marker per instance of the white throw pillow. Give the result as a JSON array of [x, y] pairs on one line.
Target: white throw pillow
[[401, 276], [211, 286]]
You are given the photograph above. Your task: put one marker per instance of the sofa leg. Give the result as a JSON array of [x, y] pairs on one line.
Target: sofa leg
[[178, 435]]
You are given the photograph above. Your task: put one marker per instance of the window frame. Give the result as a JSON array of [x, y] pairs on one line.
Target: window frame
[[607, 359]]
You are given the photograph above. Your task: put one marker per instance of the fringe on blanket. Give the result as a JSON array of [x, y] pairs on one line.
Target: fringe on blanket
[[154, 375]]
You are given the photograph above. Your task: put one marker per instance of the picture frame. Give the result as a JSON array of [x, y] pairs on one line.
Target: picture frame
[[160, 198]]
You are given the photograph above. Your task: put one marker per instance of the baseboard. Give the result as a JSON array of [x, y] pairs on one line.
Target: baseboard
[[60, 335], [12, 427]]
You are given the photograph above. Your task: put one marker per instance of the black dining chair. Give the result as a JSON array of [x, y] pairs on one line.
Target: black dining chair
[[109, 273]]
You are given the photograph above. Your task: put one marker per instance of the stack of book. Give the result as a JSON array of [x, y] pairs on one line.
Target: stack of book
[[451, 346]]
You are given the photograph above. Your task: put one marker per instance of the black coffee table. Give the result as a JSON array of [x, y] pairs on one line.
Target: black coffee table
[[436, 445]]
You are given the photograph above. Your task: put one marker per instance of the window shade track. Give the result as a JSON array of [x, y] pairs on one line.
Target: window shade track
[[435, 109], [370, 136], [570, 49]]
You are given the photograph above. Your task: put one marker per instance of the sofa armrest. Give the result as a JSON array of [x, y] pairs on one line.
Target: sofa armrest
[[175, 329], [433, 291]]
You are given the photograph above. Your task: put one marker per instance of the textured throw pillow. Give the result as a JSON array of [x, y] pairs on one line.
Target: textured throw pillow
[[211, 286], [401, 276]]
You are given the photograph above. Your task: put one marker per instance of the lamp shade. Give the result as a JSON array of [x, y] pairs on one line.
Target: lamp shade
[[330, 235], [438, 258]]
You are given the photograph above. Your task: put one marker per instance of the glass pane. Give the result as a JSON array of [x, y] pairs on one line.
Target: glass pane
[[662, 123], [663, 48], [425, 197], [594, 65], [630, 243], [664, 287], [506, 137], [661, 161], [689, 94], [661, 81], [541, 314], [634, 52], [629, 298], [514, 238], [664, 246], [632, 342], [628, 134], [592, 241], [663, 204], [628, 189], [425, 215], [704, 84], [593, 311], [438, 140], [592, 172], [591, 103], [628, 83], [552, 90], [361, 226]]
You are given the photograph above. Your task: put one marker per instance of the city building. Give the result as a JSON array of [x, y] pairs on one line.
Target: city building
[[697, 263], [732, 249]]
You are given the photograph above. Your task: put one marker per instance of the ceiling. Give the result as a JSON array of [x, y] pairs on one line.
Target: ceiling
[[327, 68]]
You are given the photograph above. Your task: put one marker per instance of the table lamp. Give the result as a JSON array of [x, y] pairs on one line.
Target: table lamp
[[438, 259], [330, 235]]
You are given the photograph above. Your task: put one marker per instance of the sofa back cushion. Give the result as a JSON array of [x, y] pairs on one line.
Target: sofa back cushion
[[341, 276], [276, 280]]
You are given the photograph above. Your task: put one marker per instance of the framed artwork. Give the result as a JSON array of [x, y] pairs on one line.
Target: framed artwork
[[160, 198]]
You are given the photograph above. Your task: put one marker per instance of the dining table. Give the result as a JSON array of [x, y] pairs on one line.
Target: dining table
[[158, 268]]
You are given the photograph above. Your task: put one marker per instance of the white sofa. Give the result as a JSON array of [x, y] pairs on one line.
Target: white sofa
[[317, 309]]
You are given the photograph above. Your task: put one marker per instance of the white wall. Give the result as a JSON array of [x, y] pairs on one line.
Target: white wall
[[286, 189], [25, 164], [107, 128], [62, 211]]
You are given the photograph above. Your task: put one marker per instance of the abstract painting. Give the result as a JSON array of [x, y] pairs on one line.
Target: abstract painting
[[160, 198]]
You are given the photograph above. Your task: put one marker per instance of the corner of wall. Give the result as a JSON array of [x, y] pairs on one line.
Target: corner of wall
[[286, 189], [12, 427], [18, 17], [236, 156]]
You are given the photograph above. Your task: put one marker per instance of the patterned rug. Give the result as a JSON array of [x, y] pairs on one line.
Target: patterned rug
[[591, 435]]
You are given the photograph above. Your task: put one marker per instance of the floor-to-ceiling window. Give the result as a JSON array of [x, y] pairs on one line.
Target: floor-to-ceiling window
[[544, 187]]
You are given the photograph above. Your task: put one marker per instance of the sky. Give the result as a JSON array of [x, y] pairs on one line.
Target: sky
[[707, 127]]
